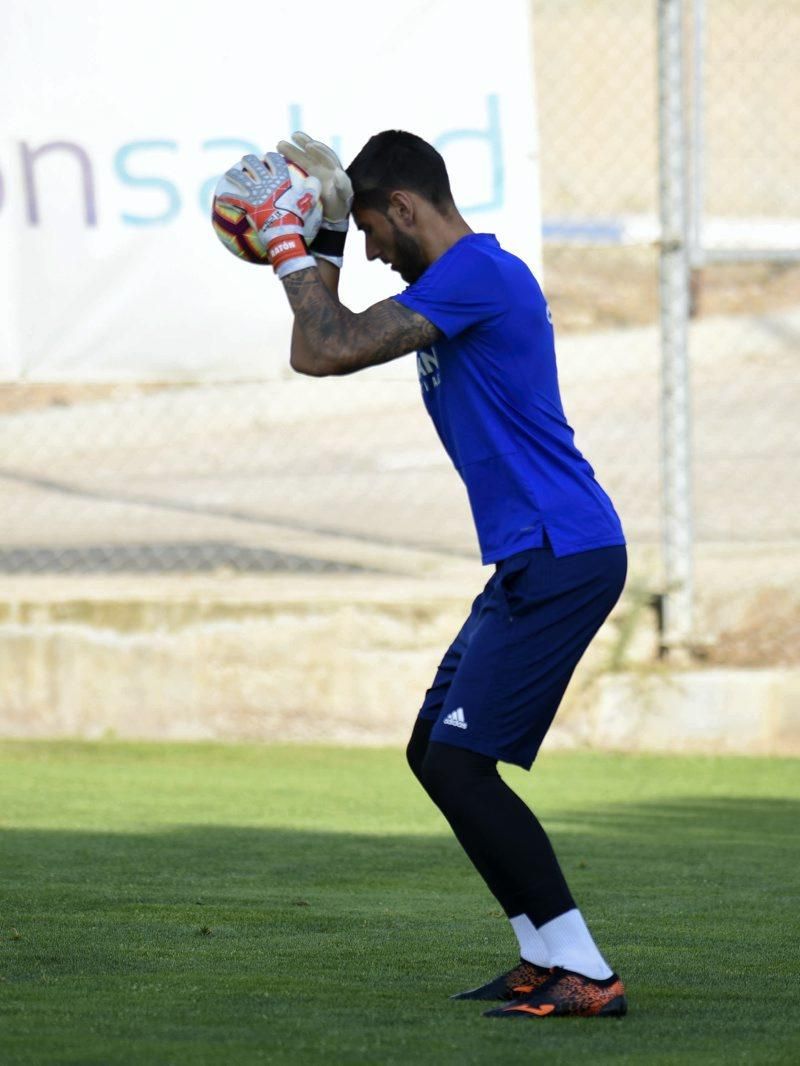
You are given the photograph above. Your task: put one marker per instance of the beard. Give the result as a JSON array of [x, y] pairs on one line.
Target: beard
[[408, 259]]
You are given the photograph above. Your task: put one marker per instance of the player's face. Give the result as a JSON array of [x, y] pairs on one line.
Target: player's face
[[384, 240]]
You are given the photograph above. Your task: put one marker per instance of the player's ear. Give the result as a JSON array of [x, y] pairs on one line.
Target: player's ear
[[404, 208]]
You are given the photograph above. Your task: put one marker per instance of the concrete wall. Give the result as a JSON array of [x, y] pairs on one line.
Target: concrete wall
[[340, 659]]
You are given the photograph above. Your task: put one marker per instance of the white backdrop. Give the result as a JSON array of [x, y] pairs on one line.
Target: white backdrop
[[118, 117]]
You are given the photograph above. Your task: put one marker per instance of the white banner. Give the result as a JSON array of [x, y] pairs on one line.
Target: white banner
[[119, 117]]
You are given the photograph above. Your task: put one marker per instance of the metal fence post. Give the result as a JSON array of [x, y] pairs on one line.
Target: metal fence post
[[677, 531], [698, 149]]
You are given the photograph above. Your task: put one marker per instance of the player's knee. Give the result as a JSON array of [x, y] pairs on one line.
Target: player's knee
[[418, 745], [453, 776], [433, 779], [415, 757]]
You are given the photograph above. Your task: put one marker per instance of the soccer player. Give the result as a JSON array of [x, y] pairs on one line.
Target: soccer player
[[482, 331]]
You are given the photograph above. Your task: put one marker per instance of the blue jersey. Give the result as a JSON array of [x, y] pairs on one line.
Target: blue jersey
[[491, 387]]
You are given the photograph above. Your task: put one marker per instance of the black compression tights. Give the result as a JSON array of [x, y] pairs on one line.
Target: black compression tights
[[501, 836]]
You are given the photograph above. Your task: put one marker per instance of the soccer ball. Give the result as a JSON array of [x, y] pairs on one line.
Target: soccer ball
[[234, 229]]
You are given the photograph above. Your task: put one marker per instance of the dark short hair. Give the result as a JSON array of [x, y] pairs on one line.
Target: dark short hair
[[395, 160]]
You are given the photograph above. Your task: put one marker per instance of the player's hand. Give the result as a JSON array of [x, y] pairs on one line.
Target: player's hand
[[317, 159], [277, 208], [320, 161]]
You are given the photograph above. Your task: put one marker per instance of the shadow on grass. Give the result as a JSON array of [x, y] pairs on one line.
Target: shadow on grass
[[203, 940], [713, 831], [696, 855]]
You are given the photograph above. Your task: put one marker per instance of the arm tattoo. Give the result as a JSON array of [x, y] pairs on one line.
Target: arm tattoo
[[342, 341]]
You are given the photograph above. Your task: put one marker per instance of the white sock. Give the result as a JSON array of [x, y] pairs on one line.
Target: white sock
[[569, 944], [531, 946]]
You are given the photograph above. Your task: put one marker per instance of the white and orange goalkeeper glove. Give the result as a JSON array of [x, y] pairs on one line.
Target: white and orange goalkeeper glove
[[336, 193], [277, 208]]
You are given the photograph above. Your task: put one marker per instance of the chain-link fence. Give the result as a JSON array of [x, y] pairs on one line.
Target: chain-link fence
[[598, 82], [347, 475]]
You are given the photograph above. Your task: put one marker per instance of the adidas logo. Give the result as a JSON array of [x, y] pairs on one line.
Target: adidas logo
[[456, 718]]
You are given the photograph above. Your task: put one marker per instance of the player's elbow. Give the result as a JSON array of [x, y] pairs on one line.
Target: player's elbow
[[303, 365], [320, 363], [304, 359]]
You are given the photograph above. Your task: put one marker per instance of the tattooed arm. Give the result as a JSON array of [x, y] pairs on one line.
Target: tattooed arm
[[330, 339]]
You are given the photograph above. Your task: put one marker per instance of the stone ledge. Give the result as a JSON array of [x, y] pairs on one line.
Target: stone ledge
[[343, 661], [718, 710]]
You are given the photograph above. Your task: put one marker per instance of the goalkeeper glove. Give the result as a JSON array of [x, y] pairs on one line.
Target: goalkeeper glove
[[277, 208], [336, 193]]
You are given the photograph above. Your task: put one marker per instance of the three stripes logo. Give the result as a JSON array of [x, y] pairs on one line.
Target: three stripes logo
[[456, 718]]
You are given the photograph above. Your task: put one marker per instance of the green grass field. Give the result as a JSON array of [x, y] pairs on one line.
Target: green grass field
[[230, 904]]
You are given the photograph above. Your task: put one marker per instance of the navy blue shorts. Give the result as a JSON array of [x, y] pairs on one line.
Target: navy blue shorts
[[500, 683]]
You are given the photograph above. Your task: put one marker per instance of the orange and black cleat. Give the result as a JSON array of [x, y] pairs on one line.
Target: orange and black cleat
[[568, 994], [523, 979]]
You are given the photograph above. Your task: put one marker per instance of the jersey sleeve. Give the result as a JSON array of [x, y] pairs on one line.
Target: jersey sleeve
[[457, 292]]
